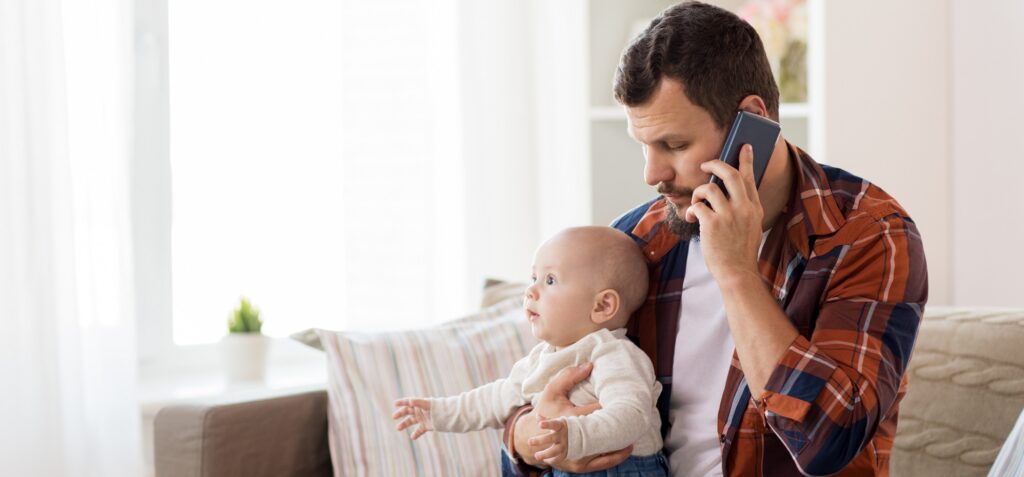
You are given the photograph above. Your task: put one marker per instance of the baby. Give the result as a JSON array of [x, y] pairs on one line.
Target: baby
[[587, 281]]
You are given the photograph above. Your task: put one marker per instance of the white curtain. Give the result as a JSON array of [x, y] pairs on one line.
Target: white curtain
[[67, 339]]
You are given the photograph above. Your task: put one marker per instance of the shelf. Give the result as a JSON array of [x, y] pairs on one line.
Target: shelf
[[616, 113], [794, 110], [607, 113]]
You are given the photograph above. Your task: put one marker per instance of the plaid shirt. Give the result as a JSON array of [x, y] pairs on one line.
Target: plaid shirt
[[846, 265]]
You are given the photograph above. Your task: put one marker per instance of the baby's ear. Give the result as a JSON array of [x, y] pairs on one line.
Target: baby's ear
[[606, 305]]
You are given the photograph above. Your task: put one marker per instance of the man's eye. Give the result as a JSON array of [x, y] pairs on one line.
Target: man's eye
[[676, 147], [550, 280]]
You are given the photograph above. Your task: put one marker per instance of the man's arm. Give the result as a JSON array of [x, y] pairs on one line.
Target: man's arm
[[823, 397]]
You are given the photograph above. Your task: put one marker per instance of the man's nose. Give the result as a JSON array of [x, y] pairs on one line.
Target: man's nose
[[657, 167]]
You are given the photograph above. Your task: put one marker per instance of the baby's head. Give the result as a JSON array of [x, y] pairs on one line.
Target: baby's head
[[584, 279]]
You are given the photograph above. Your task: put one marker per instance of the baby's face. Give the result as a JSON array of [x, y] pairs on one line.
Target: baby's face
[[562, 296]]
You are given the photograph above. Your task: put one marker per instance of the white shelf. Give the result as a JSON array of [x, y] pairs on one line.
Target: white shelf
[[607, 113], [794, 110], [616, 113]]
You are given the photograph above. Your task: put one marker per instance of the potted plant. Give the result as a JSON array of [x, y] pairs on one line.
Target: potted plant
[[245, 348]]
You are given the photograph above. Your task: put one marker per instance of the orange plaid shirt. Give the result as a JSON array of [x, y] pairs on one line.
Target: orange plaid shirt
[[846, 265]]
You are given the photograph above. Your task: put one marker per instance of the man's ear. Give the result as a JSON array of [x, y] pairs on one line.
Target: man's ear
[[606, 305], [754, 104]]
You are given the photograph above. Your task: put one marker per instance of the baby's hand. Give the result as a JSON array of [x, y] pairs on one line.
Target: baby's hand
[[557, 441], [418, 411]]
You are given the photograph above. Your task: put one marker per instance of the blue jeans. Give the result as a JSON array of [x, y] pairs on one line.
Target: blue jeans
[[655, 465]]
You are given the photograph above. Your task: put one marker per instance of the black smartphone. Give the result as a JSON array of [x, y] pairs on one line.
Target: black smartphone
[[758, 131]]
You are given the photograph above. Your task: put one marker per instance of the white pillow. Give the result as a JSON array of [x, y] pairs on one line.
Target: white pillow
[[368, 371]]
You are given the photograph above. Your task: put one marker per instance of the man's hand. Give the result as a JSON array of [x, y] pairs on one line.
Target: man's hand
[[415, 411], [730, 233], [554, 402]]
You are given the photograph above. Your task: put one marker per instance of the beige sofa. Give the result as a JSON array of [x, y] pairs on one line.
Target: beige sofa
[[966, 391]]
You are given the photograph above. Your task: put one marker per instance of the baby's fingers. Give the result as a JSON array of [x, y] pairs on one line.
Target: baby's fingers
[[405, 424], [419, 431], [413, 402], [403, 411]]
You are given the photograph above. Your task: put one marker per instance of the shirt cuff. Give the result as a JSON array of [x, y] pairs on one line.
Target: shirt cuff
[[799, 377]]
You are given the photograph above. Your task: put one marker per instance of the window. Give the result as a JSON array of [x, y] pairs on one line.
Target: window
[[315, 176]]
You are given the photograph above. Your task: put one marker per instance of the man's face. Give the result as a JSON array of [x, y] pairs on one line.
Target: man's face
[[677, 136]]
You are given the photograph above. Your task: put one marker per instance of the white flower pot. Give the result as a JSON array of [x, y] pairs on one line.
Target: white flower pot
[[245, 356]]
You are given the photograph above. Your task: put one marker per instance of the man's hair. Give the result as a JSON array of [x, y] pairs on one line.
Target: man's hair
[[717, 56]]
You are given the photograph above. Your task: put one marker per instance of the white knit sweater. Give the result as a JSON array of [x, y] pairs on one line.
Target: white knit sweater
[[622, 380]]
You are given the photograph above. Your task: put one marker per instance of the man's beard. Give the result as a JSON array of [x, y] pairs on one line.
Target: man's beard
[[679, 226], [677, 223]]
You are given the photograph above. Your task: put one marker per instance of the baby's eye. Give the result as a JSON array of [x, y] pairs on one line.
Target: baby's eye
[[550, 280]]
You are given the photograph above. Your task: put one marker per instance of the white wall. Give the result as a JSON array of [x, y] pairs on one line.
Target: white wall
[[887, 112], [988, 166]]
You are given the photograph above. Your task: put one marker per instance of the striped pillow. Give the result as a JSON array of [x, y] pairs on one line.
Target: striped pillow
[[368, 371]]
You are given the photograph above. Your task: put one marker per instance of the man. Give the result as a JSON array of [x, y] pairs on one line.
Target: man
[[780, 319]]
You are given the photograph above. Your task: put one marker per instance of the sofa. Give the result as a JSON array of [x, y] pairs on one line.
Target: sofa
[[965, 394]]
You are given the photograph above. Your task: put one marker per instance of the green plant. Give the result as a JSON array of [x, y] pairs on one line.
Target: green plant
[[245, 319]]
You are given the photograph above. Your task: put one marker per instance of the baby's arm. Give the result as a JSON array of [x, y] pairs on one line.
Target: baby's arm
[[625, 383], [484, 407]]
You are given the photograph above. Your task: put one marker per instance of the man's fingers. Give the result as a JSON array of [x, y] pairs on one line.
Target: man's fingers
[[568, 378], [584, 410], [552, 424], [729, 175], [698, 212], [714, 195], [542, 440], [747, 170]]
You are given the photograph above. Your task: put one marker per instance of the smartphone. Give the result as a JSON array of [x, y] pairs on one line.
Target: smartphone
[[758, 131]]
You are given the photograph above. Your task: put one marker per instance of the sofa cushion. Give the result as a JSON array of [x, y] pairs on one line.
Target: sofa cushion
[[368, 371], [965, 393]]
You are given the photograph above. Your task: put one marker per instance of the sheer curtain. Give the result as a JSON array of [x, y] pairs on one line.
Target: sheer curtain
[[347, 164], [67, 343]]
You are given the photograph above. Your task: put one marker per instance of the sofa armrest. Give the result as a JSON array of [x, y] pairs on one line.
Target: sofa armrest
[[284, 435]]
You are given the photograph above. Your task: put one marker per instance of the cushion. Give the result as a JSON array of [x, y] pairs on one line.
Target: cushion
[[496, 291], [965, 393], [368, 371]]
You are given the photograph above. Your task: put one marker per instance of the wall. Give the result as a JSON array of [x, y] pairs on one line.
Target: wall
[[887, 112], [987, 217]]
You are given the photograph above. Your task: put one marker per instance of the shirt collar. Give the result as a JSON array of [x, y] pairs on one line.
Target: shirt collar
[[812, 210]]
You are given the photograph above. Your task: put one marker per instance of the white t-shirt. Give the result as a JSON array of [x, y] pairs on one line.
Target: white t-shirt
[[700, 365]]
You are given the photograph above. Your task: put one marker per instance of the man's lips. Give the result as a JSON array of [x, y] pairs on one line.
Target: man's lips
[[678, 198]]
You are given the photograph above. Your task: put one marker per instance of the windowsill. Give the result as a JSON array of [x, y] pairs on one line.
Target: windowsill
[[190, 373]]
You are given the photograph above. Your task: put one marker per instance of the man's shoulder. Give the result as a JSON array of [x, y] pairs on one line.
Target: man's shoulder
[[859, 198], [629, 220]]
